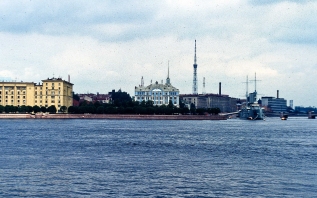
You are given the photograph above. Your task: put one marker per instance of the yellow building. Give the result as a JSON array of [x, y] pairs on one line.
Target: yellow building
[[54, 91]]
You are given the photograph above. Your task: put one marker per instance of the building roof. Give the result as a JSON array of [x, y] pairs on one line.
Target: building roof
[[156, 85], [57, 80]]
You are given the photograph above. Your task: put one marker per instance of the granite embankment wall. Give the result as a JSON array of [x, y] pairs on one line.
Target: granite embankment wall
[[112, 116]]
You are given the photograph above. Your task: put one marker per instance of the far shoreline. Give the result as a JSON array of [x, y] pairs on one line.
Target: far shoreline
[[112, 116]]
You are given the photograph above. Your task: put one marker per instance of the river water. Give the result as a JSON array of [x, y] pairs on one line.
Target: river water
[[158, 158]]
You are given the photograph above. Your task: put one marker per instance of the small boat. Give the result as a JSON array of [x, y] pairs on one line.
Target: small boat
[[283, 116]]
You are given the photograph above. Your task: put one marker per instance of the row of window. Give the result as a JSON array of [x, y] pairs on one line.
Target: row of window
[[47, 93], [12, 101], [156, 93], [12, 92], [160, 102], [12, 97], [52, 101], [157, 98]]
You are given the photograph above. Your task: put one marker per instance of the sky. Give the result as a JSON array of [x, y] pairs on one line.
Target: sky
[[105, 45]]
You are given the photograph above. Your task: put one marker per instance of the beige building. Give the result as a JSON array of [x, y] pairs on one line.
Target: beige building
[[54, 91]]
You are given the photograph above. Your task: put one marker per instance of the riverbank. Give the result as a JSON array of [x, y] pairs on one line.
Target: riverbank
[[112, 116]]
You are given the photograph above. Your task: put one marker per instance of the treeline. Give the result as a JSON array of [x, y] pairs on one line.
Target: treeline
[[30, 109], [134, 107]]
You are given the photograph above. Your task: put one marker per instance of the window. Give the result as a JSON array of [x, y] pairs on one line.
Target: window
[[23, 96], [35, 101], [11, 97]]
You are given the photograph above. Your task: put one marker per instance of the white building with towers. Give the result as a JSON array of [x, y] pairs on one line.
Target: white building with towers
[[195, 86], [159, 93]]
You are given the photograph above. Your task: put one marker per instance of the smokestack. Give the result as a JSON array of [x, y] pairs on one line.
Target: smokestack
[[277, 94], [220, 88], [69, 78]]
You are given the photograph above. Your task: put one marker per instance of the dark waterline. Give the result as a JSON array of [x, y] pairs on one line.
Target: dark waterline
[[143, 158]]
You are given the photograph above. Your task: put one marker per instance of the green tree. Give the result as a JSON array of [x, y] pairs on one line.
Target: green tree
[[52, 109], [200, 111], [63, 109], [29, 109], [121, 110], [149, 103], [43, 109], [170, 104], [1, 109], [192, 108], [100, 110], [36, 109], [7, 109], [23, 109]]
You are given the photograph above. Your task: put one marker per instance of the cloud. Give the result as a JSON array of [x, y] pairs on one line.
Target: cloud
[[107, 45]]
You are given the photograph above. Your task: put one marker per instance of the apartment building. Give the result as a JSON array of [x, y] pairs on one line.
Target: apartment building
[[52, 91]]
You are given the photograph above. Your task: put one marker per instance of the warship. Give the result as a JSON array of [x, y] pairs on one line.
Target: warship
[[251, 110]]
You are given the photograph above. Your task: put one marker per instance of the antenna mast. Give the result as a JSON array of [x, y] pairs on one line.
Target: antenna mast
[[204, 89], [195, 88]]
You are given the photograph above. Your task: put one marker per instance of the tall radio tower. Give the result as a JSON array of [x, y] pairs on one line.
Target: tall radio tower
[[195, 88]]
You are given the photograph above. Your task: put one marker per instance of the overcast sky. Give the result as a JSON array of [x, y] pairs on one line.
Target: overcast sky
[[105, 45]]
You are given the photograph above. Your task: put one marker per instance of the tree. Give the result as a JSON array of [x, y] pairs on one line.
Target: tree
[[36, 109], [149, 103], [9, 108], [52, 109], [192, 108], [23, 109], [63, 109], [170, 104], [1, 108], [200, 111], [30, 109], [100, 110], [43, 109]]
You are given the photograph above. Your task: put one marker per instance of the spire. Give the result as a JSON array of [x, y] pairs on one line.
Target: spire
[[168, 81], [168, 70], [142, 82]]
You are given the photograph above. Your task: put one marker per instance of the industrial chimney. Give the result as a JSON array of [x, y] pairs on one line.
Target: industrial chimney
[[277, 94], [220, 88]]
